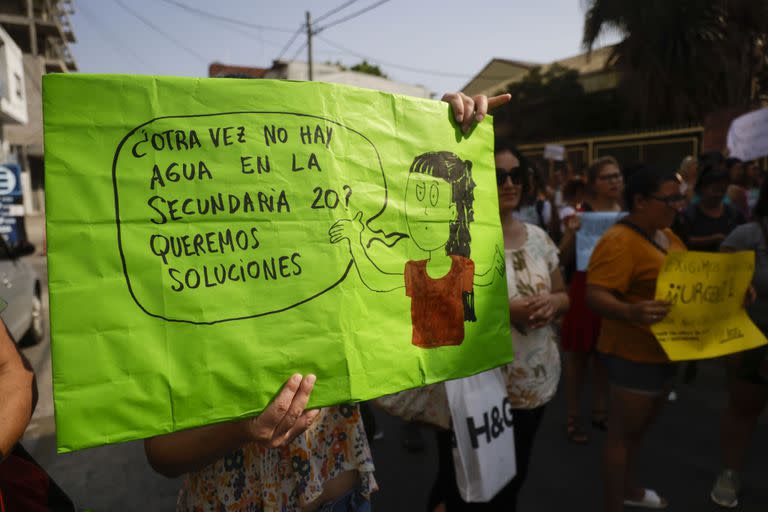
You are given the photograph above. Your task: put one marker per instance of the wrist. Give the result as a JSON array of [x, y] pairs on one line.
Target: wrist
[[628, 312]]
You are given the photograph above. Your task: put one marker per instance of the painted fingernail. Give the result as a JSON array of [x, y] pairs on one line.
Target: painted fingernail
[[311, 379]]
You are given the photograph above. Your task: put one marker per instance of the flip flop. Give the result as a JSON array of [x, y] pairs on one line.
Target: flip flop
[[651, 499]]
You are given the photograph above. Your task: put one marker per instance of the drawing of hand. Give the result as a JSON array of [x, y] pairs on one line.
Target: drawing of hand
[[347, 229], [498, 261]]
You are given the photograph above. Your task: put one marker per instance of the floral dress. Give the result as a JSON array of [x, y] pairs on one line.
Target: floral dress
[[533, 375], [258, 479]]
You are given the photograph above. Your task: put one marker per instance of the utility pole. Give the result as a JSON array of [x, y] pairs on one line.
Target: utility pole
[[309, 46]]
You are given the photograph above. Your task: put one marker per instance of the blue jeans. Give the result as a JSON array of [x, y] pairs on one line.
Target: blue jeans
[[353, 501]]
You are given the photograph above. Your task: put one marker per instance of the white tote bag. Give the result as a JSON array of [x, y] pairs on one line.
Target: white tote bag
[[484, 456]]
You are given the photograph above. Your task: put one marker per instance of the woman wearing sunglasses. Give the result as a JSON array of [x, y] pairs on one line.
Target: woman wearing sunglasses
[[621, 284], [536, 300]]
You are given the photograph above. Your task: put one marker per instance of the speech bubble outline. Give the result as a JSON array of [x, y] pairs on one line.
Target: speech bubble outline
[[349, 265]]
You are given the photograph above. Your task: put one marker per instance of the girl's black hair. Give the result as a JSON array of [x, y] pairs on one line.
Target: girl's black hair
[[458, 173], [645, 181]]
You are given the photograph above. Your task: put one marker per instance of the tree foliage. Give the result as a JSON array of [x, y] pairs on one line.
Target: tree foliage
[[552, 103], [369, 69], [684, 58]]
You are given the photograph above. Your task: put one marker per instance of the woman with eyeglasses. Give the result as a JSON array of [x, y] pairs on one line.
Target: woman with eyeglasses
[[621, 284], [581, 325], [536, 299]]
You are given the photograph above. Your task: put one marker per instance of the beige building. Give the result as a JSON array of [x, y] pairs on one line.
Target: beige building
[[594, 72], [333, 73]]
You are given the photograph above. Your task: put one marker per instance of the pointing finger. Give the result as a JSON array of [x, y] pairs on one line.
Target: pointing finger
[[497, 101]]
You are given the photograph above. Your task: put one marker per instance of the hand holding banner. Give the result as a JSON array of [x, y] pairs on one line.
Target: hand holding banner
[[707, 317], [210, 237]]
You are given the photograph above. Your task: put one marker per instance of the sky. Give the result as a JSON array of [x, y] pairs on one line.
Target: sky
[[438, 44]]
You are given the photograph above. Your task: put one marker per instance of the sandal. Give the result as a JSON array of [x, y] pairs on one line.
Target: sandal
[[600, 420], [651, 499], [573, 431]]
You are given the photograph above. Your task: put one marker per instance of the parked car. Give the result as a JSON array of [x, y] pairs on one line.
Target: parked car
[[20, 288]]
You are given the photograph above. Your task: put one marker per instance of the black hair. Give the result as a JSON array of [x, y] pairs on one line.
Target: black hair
[[502, 144], [458, 173], [645, 180], [710, 172], [714, 158], [761, 207], [573, 187]]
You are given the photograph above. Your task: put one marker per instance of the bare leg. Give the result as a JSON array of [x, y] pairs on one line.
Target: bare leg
[[599, 388], [630, 415], [575, 368], [747, 401]]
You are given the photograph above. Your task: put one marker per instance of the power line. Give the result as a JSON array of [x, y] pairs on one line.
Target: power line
[[161, 31], [208, 14], [290, 41], [351, 16], [334, 10], [299, 51], [392, 64], [111, 39]]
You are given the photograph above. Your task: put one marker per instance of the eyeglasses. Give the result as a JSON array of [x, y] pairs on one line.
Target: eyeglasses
[[670, 200], [516, 174], [616, 176]]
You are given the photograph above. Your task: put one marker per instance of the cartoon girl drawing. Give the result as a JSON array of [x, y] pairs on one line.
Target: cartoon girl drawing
[[438, 208]]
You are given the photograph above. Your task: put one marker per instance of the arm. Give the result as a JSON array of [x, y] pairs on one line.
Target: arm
[[190, 450], [567, 246], [17, 389], [547, 307], [351, 231], [607, 304], [703, 242], [496, 268]]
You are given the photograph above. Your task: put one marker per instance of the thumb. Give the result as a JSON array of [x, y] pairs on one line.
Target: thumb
[[358, 216]]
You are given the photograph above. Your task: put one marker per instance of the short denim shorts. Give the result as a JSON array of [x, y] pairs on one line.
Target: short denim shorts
[[652, 378]]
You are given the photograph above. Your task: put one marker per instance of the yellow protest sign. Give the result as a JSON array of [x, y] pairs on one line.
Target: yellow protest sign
[[707, 318]]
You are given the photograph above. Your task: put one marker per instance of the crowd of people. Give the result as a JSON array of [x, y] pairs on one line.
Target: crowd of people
[[290, 458]]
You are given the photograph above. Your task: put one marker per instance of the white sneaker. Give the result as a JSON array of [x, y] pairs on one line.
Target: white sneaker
[[726, 489]]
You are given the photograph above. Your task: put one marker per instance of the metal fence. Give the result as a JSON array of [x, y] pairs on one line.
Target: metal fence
[[665, 148]]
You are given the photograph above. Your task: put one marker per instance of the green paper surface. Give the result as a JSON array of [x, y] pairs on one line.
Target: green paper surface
[[207, 238]]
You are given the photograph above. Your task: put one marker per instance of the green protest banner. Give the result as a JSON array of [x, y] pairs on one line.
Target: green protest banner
[[209, 237]]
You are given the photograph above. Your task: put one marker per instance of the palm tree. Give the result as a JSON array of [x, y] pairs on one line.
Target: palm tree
[[681, 59]]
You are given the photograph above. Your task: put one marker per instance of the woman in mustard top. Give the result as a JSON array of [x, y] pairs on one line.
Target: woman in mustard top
[[621, 284]]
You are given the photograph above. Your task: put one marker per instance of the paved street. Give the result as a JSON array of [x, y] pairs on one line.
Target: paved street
[[681, 458]]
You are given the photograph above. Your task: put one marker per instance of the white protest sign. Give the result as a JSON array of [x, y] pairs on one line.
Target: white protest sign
[[554, 152], [593, 225], [748, 135]]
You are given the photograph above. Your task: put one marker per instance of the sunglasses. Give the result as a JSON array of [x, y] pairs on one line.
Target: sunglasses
[[670, 200], [517, 175]]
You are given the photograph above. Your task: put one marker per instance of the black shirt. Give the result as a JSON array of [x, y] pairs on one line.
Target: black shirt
[[699, 224]]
